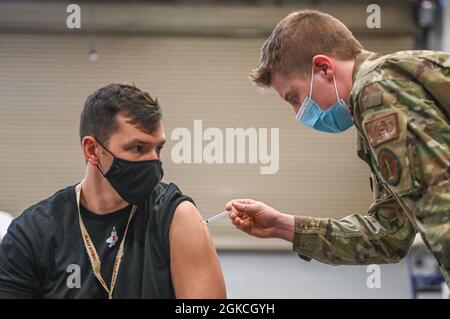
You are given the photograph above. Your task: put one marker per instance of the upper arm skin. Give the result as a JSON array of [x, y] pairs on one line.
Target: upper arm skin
[[194, 264]]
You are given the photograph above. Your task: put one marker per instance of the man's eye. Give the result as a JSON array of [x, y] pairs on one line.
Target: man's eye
[[159, 148], [293, 100], [296, 100], [137, 149]]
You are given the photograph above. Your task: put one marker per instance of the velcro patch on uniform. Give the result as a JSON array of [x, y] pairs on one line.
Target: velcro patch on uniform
[[382, 129], [389, 166], [371, 100]]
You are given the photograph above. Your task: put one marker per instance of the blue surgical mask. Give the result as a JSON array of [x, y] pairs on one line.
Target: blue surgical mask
[[336, 119]]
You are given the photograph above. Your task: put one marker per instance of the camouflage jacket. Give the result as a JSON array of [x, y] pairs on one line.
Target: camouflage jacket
[[400, 105]]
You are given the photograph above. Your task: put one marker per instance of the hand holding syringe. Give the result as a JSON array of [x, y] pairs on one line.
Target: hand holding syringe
[[215, 217]]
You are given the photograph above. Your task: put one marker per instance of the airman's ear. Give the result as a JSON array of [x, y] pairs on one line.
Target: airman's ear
[[324, 64], [89, 148]]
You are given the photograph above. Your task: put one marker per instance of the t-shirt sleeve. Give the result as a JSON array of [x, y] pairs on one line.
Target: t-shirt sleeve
[[168, 197], [18, 271]]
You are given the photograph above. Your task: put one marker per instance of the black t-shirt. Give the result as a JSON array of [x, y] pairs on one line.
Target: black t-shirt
[[43, 253], [106, 232]]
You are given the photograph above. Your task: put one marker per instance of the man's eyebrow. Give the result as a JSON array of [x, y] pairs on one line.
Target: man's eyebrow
[[142, 142], [136, 141]]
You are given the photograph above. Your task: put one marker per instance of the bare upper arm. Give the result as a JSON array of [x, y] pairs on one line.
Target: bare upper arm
[[195, 267]]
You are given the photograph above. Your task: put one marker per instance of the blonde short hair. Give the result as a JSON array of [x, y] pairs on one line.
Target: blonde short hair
[[297, 39]]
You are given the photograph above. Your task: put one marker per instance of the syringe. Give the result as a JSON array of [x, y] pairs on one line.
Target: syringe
[[215, 217]]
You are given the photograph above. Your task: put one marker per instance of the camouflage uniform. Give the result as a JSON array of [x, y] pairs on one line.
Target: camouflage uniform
[[400, 105]]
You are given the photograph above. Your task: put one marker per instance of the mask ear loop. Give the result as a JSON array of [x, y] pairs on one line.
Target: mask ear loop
[[98, 167], [104, 147], [311, 83], [337, 93], [335, 87]]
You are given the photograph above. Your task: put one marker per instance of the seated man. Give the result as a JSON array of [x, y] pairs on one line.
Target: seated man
[[121, 232]]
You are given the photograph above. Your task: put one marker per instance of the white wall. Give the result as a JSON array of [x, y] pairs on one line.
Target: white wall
[[446, 27], [285, 275]]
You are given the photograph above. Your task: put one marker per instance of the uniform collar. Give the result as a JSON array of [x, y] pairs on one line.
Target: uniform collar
[[360, 58]]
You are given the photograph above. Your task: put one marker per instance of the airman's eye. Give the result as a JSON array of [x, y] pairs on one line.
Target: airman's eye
[[296, 100], [137, 149]]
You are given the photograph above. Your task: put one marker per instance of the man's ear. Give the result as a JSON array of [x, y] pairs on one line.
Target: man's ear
[[89, 148], [325, 65]]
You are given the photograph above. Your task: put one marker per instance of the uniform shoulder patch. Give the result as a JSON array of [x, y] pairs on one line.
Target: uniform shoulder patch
[[371, 99], [382, 129], [390, 166]]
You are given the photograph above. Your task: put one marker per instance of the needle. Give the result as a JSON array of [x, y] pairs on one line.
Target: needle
[[215, 217]]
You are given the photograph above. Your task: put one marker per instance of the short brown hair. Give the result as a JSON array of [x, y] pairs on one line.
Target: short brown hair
[[297, 39], [98, 118]]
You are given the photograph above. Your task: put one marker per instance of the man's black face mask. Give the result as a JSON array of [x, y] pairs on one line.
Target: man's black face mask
[[134, 181]]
